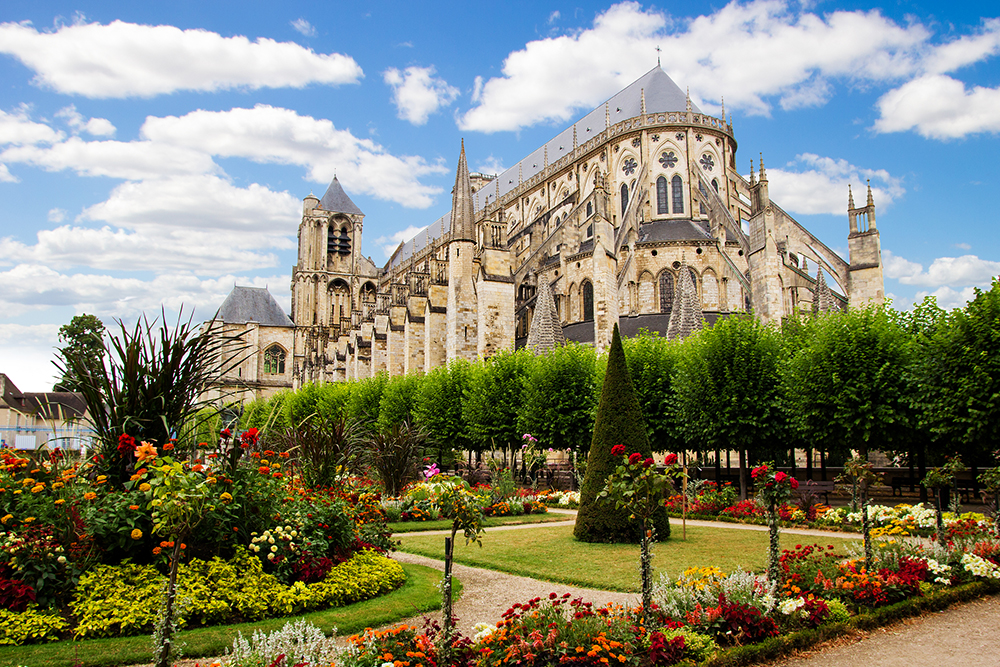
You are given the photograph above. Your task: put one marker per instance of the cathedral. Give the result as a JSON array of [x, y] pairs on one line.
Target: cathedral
[[636, 214]]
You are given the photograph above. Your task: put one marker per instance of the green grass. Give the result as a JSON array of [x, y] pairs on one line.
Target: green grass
[[550, 553], [489, 522], [419, 594]]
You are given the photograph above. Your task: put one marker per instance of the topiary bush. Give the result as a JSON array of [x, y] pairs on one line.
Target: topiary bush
[[619, 421]]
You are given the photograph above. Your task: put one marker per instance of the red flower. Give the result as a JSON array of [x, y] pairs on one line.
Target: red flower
[[634, 458], [780, 477], [225, 433], [758, 471], [126, 444], [795, 483], [648, 462], [617, 450], [670, 459]]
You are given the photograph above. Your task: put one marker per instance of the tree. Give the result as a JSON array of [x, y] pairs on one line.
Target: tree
[[729, 392], [651, 362], [849, 384], [398, 400], [82, 338], [619, 421], [438, 408], [559, 398], [494, 396], [958, 379]]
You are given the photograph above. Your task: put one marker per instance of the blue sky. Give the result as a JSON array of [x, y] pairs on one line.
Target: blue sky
[[154, 155]]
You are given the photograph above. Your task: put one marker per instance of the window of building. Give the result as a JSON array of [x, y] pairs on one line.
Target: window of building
[[677, 193], [588, 301], [274, 360], [661, 196], [624, 199], [666, 292], [590, 209]]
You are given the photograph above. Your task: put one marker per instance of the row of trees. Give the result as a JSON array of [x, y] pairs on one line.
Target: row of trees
[[921, 384]]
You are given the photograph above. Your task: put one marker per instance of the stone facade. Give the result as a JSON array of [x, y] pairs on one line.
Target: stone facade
[[615, 213]]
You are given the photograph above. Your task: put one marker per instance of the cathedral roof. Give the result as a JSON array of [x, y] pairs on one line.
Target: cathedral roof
[[673, 230], [661, 95], [336, 200], [252, 304]]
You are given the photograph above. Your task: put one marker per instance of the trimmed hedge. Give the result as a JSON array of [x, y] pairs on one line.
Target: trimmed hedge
[[123, 600], [775, 647]]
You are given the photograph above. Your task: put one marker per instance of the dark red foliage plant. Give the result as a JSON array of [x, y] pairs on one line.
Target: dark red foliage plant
[[663, 651]]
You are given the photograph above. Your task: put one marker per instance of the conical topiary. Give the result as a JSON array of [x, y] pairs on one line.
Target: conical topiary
[[619, 421]]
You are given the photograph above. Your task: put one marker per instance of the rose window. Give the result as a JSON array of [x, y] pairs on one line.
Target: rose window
[[629, 166], [668, 159], [707, 162]]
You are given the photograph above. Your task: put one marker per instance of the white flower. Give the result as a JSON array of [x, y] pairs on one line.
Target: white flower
[[483, 630], [789, 606], [387, 664], [61, 560], [274, 549]]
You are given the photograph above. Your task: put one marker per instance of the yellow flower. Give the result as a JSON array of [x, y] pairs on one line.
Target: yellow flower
[[29, 519], [101, 478], [136, 534], [164, 469], [57, 485], [226, 497], [37, 487], [6, 519], [144, 487], [60, 501], [89, 495]]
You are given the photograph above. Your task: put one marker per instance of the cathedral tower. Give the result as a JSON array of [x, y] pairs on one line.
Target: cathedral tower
[[865, 281], [461, 335]]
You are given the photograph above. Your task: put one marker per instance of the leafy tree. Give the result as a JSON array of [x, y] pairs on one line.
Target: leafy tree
[[619, 422], [958, 379], [728, 390], [494, 396], [438, 408], [398, 400], [559, 398], [849, 383], [365, 398], [651, 362], [302, 405], [82, 338], [333, 399]]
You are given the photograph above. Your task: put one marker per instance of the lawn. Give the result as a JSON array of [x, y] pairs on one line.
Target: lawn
[[489, 522], [420, 593], [550, 553]]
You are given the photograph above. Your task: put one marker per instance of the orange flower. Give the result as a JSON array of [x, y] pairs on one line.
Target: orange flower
[[156, 551], [136, 534], [145, 452], [60, 501], [89, 495], [167, 447], [133, 507], [197, 467], [264, 470], [283, 455]]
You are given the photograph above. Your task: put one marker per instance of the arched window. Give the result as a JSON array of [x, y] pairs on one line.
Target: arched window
[[588, 301], [274, 360], [715, 184], [661, 196], [666, 292], [590, 209], [677, 193], [624, 199], [590, 230]]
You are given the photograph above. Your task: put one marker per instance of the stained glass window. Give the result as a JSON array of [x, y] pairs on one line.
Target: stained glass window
[[668, 159], [629, 166], [666, 292], [661, 196], [707, 162], [624, 199], [677, 194], [274, 360], [588, 301]]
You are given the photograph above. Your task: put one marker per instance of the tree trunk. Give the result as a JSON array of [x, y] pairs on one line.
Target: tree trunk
[[718, 468], [822, 465], [743, 475], [922, 472], [163, 650], [646, 569], [809, 463], [773, 559], [449, 544]]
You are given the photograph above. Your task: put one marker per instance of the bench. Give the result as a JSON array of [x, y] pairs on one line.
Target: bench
[[816, 488], [899, 482]]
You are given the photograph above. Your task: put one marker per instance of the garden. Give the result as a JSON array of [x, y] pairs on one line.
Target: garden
[[207, 524]]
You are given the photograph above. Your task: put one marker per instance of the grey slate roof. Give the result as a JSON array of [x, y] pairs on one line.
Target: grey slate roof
[[673, 230], [546, 330], [252, 304], [662, 95], [336, 200]]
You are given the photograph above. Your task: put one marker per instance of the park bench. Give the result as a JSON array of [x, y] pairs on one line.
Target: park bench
[[898, 482], [816, 488]]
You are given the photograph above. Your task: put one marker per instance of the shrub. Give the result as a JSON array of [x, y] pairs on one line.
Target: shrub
[[30, 626], [296, 643]]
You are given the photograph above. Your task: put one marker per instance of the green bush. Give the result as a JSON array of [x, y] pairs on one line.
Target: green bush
[[125, 600], [29, 627], [838, 612]]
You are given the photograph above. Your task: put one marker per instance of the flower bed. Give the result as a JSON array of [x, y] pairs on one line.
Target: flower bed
[[420, 502]]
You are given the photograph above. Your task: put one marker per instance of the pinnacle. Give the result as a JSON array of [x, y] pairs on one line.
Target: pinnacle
[[545, 333]]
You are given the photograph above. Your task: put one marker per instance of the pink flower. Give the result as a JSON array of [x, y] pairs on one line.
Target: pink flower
[[634, 458], [670, 459], [617, 450]]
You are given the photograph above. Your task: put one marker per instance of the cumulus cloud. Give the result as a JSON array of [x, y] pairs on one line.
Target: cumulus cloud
[[18, 129], [302, 26], [938, 106], [6, 176], [388, 244], [793, 55], [949, 298], [99, 127], [275, 135], [952, 271], [57, 215], [491, 165], [814, 184], [417, 93], [897, 267], [131, 60]]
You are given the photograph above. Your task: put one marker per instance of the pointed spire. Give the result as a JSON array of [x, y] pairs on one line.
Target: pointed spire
[[871, 200], [805, 264], [463, 214], [607, 115], [763, 175], [642, 101], [723, 107], [685, 315], [753, 179], [850, 198], [545, 332], [688, 103], [822, 296]]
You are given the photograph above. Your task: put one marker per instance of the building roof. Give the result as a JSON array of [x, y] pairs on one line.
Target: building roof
[[60, 405], [252, 304], [546, 331], [673, 230], [336, 200], [661, 95]]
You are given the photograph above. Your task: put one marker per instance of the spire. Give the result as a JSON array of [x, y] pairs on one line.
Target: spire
[[336, 200], [463, 215], [850, 198], [685, 315], [642, 101], [763, 175], [723, 108], [688, 101], [545, 332], [753, 180], [822, 296], [871, 200], [805, 264]]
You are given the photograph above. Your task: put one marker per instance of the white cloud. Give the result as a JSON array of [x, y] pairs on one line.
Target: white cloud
[[57, 215], [491, 165], [949, 298], [952, 271], [27, 363], [417, 93], [18, 129], [29, 334], [939, 107], [99, 127], [553, 17], [814, 184], [304, 27], [390, 243], [792, 54], [275, 135], [6, 176], [897, 267], [966, 50], [963, 246], [130, 60]]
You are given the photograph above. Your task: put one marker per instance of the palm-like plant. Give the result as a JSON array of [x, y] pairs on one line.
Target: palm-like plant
[[323, 448], [394, 454]]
